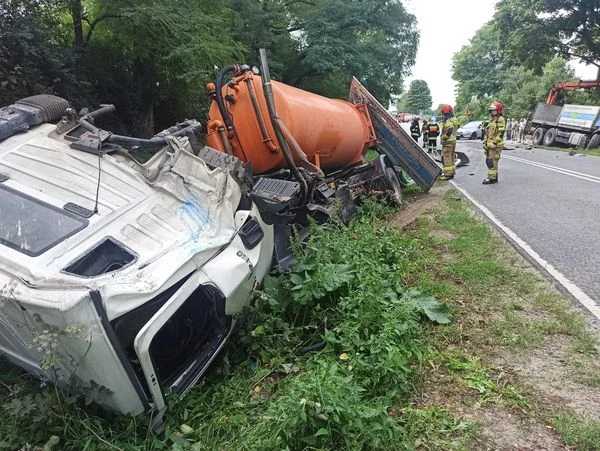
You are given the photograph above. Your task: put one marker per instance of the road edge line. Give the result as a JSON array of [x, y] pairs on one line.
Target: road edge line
[[571, 288], [580, 175]]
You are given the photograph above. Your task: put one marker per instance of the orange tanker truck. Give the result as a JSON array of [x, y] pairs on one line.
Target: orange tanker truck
[[303, 151]]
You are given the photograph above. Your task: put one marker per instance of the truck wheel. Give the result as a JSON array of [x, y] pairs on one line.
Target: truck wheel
[[594, 142], [550, 137], [538, 136], [394, 185]]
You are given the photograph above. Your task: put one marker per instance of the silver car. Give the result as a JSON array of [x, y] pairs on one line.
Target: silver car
[[472, 130]]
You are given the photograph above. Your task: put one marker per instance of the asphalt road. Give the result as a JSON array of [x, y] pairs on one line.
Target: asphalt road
[[550, 200]]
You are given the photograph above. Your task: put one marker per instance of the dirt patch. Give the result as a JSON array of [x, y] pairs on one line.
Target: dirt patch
[[548, 371], [441, 234], [505, 430], [418, 206]]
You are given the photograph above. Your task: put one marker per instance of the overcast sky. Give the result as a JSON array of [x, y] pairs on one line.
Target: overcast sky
[[446, 26]]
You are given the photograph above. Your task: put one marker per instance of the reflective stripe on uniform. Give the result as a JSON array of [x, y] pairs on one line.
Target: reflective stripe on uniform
[[495, 131], [452, 124]]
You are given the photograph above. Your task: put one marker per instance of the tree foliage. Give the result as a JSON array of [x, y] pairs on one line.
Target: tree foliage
[[417, 98], [153, 59], [30, 62], [523, 51], [522, 88], [537, 29], [479, 67]]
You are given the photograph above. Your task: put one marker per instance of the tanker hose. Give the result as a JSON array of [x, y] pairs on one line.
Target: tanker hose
[[219, 94], [268, 91]]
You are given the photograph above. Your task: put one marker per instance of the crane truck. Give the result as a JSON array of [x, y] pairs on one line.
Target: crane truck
[[131, 276], [568, 125]]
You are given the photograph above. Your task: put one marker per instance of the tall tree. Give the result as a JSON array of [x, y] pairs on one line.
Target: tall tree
[[535, 29], [32, 61], [418, 97], [321, 44], [168, 51], [522, 88], [479, 67]]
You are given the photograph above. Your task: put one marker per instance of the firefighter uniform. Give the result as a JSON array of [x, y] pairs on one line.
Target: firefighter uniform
[[433, 131], [493, 142], [449, 128], [415, 130], [425, 131]]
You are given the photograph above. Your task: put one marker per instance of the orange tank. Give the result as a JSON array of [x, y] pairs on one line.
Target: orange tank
[[332, 133]]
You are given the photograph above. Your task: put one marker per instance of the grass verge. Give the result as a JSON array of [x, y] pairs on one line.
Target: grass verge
[[517, 345]]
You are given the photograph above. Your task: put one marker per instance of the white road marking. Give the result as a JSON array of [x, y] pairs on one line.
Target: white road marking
[[579, 175], [575, 291]]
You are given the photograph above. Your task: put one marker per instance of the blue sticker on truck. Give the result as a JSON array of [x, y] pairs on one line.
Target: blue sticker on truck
[[578, 116]]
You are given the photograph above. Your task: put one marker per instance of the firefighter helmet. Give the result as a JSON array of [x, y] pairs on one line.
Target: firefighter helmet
[[497, 106], [447, 109]]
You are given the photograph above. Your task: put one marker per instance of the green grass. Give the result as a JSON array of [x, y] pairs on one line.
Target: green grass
[[503, 307], [577, 432], [487, 274]]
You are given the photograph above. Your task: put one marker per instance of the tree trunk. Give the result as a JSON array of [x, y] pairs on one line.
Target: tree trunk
[[145, 126], [146, 74], [76, 13]]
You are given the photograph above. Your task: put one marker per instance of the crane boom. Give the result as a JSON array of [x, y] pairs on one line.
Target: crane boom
[[569, 86]]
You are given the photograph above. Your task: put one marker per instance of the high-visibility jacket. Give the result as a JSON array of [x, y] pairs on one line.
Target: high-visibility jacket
[[494, 134], [433, 130], [449, 129]]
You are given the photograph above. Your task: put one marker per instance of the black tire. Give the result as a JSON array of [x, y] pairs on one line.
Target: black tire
[[550, 137], [474, 135], [594, 142], [393, 182], [538, 136]]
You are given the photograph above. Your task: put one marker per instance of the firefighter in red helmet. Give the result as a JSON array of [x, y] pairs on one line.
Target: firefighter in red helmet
[[493, 141], [449, 128]]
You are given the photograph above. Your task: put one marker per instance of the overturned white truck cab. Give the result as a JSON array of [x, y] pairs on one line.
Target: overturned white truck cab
[[113, 273]]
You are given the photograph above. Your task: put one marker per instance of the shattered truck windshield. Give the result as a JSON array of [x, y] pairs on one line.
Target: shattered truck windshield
[[31, 226]]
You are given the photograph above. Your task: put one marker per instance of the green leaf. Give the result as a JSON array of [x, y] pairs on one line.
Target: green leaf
[[429, 306]]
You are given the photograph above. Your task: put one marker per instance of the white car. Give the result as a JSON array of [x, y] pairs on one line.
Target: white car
[[116, 274], [472, 130]]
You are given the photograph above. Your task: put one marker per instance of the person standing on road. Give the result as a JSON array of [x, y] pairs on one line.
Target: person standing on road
[[433, 131], [415, 130], [425, 131], [522, 124], [509, 129], [449, 128], [493, 142]]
